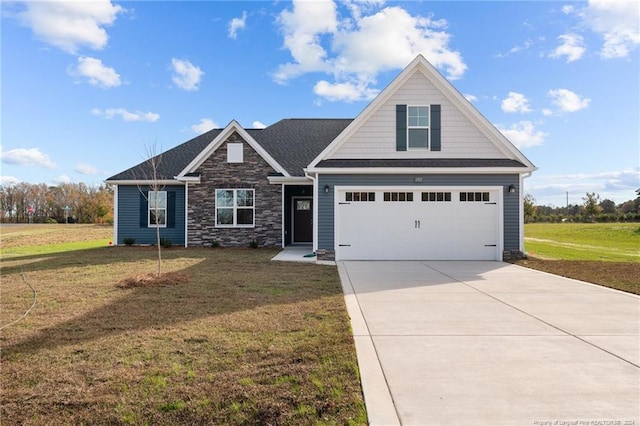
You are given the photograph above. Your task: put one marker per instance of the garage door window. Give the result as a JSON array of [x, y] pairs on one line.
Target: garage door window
[[360, 196], [474, 196], [398, 196], [436, 196]]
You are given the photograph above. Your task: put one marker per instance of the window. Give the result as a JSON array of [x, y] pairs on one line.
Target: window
[[157, 203], [235, 207], [474, 196], [436, 196], [360, 196], [398, 196], [418, 127]]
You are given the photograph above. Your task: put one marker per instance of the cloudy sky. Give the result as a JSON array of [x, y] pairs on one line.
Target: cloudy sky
[[89, 87]]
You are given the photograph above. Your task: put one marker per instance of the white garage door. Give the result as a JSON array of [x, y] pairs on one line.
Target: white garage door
[[418, 224]]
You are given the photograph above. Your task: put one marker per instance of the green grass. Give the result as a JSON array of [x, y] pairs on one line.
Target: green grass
[[610, 242], [244, 341]]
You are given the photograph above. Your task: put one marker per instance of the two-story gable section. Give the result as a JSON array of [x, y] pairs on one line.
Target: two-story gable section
[[419, 174]]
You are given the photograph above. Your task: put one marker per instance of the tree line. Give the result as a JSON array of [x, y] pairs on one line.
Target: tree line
[[64, 203], [592, 209]]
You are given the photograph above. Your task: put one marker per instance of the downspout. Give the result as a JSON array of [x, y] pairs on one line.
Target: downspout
[[115, 215], [282, 202], [315, 209], [521, 208]]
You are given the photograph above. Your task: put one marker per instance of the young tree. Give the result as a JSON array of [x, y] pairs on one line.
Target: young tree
[[529, 207], [157, 214], [591, 205]]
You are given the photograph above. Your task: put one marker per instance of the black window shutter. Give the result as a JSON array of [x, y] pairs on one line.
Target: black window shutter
[[171, 209], [144, 209], [401, 127], [435, 128]]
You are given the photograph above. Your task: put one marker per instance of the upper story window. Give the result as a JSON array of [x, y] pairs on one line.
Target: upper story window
[[418, 127], [157, 202], [235, 207]]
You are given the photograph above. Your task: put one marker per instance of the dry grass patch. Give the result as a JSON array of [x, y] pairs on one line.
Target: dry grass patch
[[242, 341], [154, 280]]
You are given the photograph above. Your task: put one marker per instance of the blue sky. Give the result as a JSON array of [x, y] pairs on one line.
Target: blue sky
[[89, 87]]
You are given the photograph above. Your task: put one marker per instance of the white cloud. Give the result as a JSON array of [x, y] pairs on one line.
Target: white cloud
[[572, 47], [355, 48], [204, 126], [86, 169], [470, 98], [547, 112], [515, 102], [110, 113], [258, 125], [98, 74], [237, 24], [70, 25], [9, 180], [186, 75], [617, 22], [62, 179], [344, 91], [27, 157], [567, 100], [515, 49], [524, 135]]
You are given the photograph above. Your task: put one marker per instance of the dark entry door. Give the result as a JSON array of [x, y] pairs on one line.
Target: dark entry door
[[302, 220]]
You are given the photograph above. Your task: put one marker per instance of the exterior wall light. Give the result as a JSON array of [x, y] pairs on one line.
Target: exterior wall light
[[512, 188], [326, 189]]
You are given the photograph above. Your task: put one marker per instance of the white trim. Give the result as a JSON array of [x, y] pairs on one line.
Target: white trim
[[115, 215], [234, 208], [315, 211], [521, 190], [165, 208], [416, 170], [232, 127], [293, 219], [188, 179], [289, 180], [370, 188], [449, 91], [186, 215]]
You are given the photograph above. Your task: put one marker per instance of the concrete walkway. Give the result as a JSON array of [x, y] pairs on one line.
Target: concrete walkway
[[489, 343]]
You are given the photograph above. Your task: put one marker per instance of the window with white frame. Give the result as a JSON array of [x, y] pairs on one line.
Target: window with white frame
[[418, 127], [157, 201], [235, 207]]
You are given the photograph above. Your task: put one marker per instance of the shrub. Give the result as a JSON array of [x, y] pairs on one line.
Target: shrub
[[129, 241], [215, 244], [253, 244], [165, 242]]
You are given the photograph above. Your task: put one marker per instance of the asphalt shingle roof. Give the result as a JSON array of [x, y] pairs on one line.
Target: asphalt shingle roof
[[293, 143]]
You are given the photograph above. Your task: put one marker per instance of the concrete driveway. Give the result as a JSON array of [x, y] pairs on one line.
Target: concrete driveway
[[490, 343]]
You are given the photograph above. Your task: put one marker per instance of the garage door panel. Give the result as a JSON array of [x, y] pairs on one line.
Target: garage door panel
[[417, 229]]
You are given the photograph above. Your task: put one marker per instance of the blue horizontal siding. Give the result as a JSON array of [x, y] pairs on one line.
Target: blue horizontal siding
[[129, 216], [511, 204]]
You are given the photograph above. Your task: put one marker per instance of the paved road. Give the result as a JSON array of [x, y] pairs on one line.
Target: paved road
[[489, 343]]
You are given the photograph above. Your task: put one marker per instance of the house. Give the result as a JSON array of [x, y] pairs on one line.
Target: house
[[418, 174]]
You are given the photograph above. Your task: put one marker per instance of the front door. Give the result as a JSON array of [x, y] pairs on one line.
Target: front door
[[302, 219]]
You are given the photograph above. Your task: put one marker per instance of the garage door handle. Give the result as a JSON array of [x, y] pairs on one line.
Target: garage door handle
[[344, 245], [490, 245], [343, 203], [416, 224], [491, 203]]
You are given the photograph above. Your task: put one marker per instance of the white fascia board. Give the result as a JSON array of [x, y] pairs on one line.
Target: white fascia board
[[290, 180], [417, 170], [233, 126], [188, 179], [144, 182]]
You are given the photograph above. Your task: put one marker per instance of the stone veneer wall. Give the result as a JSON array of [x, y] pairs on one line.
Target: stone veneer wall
[[216, 173]]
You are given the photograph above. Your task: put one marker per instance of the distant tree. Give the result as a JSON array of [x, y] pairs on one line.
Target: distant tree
[[591, 205], [607, 206], [529, 207]]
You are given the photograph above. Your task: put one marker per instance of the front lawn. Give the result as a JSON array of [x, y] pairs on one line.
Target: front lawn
[[245, 341]]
